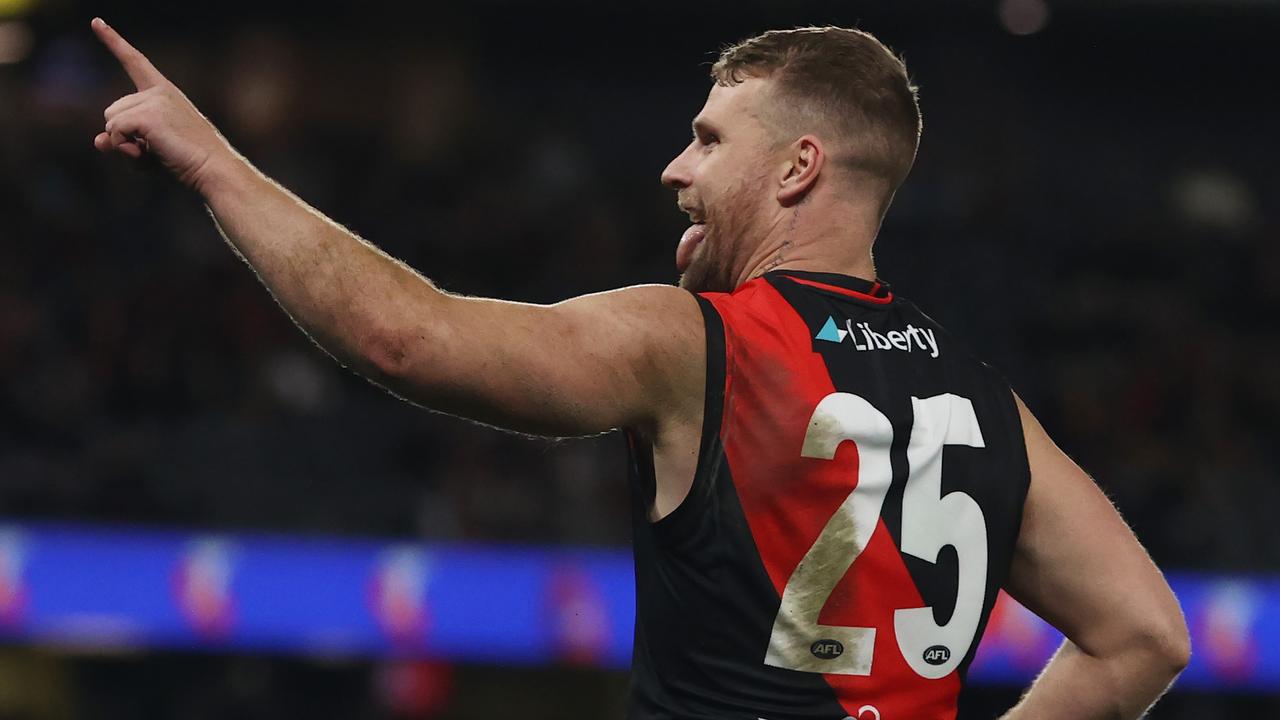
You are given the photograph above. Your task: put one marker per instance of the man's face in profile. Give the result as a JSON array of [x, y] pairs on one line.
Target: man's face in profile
[[722, 181]]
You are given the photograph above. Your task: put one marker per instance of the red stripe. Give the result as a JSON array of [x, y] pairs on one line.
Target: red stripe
[[888, 296]]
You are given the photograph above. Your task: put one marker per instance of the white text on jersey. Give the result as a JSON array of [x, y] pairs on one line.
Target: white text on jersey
[[865, 338]]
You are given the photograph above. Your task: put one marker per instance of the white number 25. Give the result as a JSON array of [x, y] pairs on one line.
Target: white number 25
[[930, 521]]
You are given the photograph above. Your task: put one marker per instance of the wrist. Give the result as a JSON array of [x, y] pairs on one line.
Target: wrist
[[224, 171]]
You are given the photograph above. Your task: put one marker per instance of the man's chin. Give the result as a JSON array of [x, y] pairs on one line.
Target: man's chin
[[689, 282], [699, 278]]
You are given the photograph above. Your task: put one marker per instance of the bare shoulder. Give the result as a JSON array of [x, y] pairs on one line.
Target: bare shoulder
[[645, 343], [655, 320], [643, 301], [655, 332]]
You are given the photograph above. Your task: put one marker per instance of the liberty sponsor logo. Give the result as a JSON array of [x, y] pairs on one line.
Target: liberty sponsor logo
[[863, 337], [827, 649]]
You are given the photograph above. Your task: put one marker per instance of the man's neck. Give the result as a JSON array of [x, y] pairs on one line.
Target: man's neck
[[797, 242], [865, 270]]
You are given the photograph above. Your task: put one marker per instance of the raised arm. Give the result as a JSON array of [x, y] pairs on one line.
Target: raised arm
[[1078, 566], [628, 358]]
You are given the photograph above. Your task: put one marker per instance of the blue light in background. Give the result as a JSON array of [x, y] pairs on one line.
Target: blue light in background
[[82, 586]]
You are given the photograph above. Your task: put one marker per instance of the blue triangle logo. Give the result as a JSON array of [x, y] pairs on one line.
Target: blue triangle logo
[[830, 332]]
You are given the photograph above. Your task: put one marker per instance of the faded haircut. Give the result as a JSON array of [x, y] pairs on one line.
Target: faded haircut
[[840, 80]]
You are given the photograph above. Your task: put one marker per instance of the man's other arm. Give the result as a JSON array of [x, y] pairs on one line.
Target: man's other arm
[[1078, 566]]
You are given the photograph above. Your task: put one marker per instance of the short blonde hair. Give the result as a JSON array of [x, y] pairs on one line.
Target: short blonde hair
[[843, 77]]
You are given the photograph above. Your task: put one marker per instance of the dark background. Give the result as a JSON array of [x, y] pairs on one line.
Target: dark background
[[1093, 211]]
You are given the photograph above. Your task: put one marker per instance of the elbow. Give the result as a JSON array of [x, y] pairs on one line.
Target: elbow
[[1177, 648], [1167, 642], [385, 357], [412, 363]]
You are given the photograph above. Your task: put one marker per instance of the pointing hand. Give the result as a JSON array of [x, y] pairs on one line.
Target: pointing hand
[[157, 119]]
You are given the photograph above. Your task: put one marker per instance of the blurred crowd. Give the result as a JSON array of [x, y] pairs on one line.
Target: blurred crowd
[[1096, 219]]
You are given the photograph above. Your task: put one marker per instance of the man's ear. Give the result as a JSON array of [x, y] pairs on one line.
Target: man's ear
[[800, 169]]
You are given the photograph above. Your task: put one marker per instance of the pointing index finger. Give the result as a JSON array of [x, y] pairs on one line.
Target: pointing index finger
[[135, 64]]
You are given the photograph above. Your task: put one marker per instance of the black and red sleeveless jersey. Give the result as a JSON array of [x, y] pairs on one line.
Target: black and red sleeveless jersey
[[857, 498]]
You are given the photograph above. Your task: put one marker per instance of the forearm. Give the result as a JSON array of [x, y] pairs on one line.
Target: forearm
[[1079, 686], [350, 297]]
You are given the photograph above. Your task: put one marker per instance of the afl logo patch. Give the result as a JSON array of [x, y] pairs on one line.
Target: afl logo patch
[[827, 649], [937, 654]]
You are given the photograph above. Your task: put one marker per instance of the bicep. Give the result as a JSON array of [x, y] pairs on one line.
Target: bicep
[[593, 363], [1077, 564]]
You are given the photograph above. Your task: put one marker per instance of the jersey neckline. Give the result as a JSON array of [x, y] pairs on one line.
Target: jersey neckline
[[875, 291]]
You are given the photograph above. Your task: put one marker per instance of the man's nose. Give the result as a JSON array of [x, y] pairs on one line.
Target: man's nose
[[677, 175]]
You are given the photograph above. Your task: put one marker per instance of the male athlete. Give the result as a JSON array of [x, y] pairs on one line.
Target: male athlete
[[829, 492]]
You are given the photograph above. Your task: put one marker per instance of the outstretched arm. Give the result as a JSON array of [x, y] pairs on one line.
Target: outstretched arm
[[1078, 566], [626, 358]]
